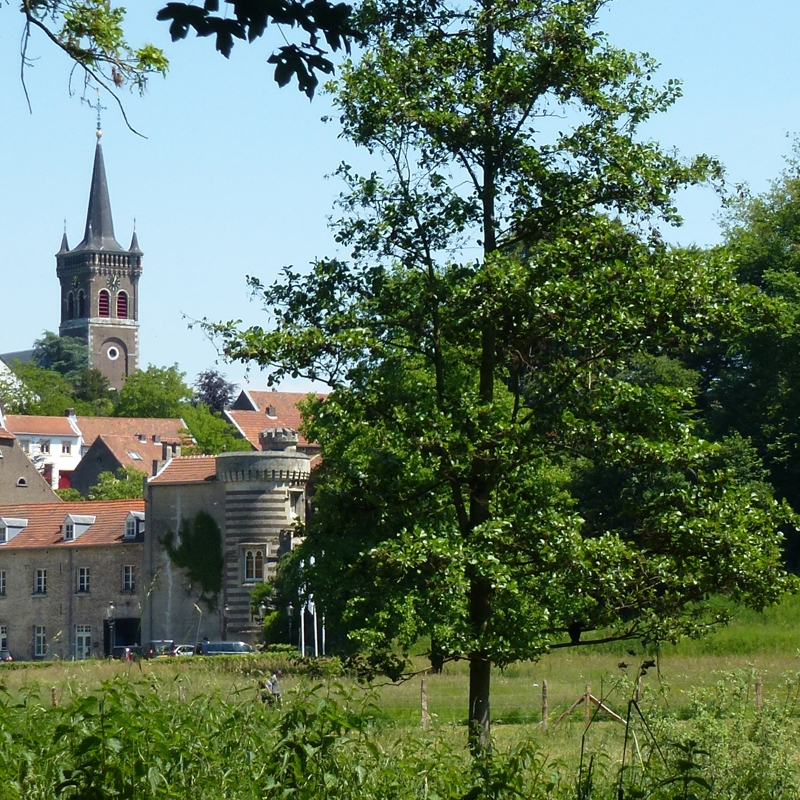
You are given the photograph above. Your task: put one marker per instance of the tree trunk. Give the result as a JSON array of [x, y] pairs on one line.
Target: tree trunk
[[480, 739], [480, 672]]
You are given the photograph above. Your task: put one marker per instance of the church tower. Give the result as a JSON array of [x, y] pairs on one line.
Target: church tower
[[100, 286]]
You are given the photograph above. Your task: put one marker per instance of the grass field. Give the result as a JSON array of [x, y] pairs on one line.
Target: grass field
[[195, 727], [757, 644]]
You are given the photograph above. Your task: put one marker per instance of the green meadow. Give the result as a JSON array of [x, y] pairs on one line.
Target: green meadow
[[716, 717]]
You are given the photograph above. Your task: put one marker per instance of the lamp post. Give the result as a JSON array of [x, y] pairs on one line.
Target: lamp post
[[225, 612], [111, 616], [290, 613]]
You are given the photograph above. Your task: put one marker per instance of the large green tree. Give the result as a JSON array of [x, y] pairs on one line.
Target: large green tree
[[505, 469]]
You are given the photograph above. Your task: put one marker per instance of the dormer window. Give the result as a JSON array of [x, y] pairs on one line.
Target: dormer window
[[272, 411], [76, 525], [10, 527], [134, 524]]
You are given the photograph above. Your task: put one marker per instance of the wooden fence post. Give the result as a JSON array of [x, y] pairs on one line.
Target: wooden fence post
[[423, 696], [588, 700], [54, 697], [759, 695], [544, 704]]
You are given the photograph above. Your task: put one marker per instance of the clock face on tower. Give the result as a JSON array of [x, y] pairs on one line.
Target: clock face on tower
[[75, 282], [113, 282]]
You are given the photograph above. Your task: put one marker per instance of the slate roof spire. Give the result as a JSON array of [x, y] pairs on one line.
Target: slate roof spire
[[99, 233], [64, 243]]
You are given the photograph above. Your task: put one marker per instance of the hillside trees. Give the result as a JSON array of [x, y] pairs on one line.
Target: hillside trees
[[502, 471], [753, 386], [153, 392]]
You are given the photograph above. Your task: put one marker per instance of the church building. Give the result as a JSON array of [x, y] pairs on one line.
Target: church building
[[100, 286]]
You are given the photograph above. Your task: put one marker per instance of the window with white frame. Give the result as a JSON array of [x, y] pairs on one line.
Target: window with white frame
[[3, 637], [44, 446], [40, 582], [254, 565], [83, 641], [66, 447], [25, 444], [2, 585], [39, 641], [82, 580], [3, 534], [134, 524], [69, 531], [296, 506], [128, 578]]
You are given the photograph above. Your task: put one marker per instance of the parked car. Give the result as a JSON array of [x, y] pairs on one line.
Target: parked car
[[184, 649], [126, 652], [225, 648], [160, 648], [5, 656]]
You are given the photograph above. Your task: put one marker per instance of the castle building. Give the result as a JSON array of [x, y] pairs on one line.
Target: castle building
[[229, 518], [100, 286]]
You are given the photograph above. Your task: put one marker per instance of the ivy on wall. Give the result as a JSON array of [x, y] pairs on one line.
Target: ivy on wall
[[199, 552]]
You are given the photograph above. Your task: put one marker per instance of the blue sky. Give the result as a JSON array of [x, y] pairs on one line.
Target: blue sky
[[231, 179]]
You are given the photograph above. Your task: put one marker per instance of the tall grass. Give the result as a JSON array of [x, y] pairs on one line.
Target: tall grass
[[196, 727]]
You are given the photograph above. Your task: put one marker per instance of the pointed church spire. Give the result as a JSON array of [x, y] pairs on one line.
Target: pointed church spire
[[99, 233], [64, 243], [134, 248]]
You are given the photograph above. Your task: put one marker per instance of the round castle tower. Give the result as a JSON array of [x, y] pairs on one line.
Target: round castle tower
[[264, 498]]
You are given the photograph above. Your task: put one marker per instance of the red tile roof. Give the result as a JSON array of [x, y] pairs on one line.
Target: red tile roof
[[92, 427], [285, 414], [21, 424], [126, 448], [6, 435], [187, 469], [45, 521]]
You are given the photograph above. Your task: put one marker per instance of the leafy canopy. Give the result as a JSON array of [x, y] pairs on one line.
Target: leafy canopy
[[213, 390], [127, 484], [507, 467], [753, 386], [154, 392], [66, 355], [92, 34]]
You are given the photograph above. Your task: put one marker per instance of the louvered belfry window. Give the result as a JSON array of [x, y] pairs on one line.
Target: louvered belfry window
[[122, 305], [103, 303]]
